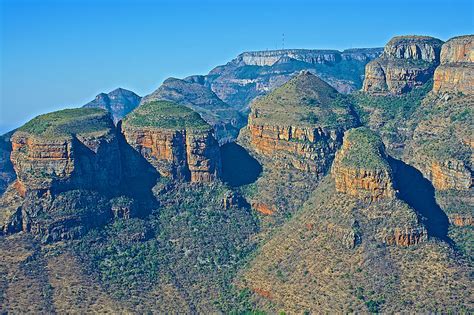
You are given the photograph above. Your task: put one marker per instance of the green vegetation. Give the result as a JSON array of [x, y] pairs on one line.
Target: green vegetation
[[305, 100], [166, 115], [190, 240], [69, 121], [365, 149]]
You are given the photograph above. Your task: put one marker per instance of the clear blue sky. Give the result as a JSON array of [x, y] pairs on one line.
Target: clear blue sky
[[57, 54]]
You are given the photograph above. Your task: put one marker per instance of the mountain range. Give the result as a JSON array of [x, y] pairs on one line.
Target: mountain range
[[287, 181]]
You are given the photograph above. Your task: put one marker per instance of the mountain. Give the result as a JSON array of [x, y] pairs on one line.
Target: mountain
[[118, 103], [406, 62], [191, 92], [327, 202], [223, 96]]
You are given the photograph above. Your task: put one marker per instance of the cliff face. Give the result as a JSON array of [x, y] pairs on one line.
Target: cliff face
[[7, 173], [456, 72], [89, 159], [359, 168], [118, 103], [176, 141], [407, 62], [192, 92], [300, 124]]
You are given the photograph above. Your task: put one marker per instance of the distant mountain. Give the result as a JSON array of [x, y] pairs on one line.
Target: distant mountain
[[119, 102], [223, 95], [192, 93]]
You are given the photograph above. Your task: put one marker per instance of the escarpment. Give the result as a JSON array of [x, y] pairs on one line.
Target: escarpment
[[300, 124], [175, 140], [456, 71], [360, 168], [68, 149], [407, 62], [65, 162]]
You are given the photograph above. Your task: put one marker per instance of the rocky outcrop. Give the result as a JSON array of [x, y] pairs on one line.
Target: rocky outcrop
[[450, 174], [80, 152], [7, 173], [407, 237], [118, 103], [360, 169], [456, 72], [193, 92], [407, 62], [290, 126], [175, 140]]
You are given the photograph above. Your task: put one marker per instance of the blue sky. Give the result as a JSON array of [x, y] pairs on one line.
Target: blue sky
[[61, 53]]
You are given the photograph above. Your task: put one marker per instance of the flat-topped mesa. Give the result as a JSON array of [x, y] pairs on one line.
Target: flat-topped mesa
[[407, 62], [360, 168], [310, 56], [456, 72], [300, 124], [67, 149], [175, 140]]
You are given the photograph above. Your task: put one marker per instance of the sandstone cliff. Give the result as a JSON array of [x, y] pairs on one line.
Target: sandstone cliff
[[407, 62], [175, 140], [456, 72], [300, 124], [68, 149], [360, 168]]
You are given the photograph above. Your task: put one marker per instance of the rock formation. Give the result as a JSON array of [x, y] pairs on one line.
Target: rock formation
[[300, 124], [360, 168], [118, 103], [68, 149], [456, 72], [175, 140], [7, 173], [193, 93], [407, 62]]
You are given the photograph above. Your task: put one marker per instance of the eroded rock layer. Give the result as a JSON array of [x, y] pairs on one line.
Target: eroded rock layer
[[359, 168], [300, 124], [178, 147], [456, 72], [407, 62]]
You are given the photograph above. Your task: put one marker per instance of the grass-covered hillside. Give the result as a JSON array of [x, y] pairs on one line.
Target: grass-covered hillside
[[165, 115], [364, 150], [304, 101], [69, 121]]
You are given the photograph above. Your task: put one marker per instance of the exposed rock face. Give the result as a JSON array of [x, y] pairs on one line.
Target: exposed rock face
[[407, 237], [7, 173], [85, 156], [176, 141], [118, 103], [359, 168], [461, 220], [450, 174], [456, 72], [407, 62], [193, 93], [299, 125]]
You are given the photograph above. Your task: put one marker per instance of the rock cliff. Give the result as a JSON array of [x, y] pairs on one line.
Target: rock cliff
[[175, 140], [300, 124], [407, 62], [118, 103], [68, 149], [456, 72], [360, 168], [193, 93]]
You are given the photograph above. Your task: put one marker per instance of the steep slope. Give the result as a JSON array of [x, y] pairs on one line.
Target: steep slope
[[175, 140], [64, 161], [192, 92], [407, 62], [456, 73], [7, 173], [344, 252], [118, 103], [294, 133]]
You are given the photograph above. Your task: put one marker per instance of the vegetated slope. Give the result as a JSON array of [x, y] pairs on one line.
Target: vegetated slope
[[347, 251], [191, 92], [294, 132]]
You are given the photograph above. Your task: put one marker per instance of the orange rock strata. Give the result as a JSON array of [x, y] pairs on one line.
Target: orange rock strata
[[406, 237], [450, 174]]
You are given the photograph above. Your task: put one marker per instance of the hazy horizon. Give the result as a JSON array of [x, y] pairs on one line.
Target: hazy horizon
[[58, 54]]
